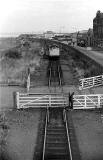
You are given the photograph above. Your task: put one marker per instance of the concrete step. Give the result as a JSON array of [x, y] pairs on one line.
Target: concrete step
[[55, 145]]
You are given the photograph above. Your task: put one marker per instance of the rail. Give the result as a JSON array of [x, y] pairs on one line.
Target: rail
[[54, 75], [69, 145], [91, 82], [46, 123]]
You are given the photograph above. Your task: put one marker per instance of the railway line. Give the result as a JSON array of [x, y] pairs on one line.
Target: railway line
[[56, 139], [54, 74], [58, 135]]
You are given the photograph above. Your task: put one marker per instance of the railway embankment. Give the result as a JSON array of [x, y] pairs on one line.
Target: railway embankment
[[96, 55], [83, 61], [88, 127]]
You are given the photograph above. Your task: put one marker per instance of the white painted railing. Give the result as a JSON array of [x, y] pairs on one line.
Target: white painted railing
[[87, 101], [91, 82], [25, 100], [39, 100]]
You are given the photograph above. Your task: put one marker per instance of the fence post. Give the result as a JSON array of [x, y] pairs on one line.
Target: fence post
[[102, 79], [93, 80], [99, 100], [28, 83], [81, 87], [82, 83], [49, 100], [14, 101], [85, 100], [17, 100]]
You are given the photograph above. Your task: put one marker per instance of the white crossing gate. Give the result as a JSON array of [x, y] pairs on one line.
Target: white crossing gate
[[27, 100], [87, 101], [36, 100], [91, 82]]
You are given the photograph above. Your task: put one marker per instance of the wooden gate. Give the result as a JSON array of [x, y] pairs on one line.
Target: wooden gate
[[87, 101], [91, 82], [26, 100]]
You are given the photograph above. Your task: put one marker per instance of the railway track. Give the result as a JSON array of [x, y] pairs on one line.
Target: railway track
[[54, 74], [59, 139], [56, 138]]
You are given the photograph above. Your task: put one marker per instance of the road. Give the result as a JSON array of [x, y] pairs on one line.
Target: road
[[95, 55]]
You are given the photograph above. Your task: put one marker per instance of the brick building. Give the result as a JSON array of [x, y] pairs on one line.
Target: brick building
[[98, 29]]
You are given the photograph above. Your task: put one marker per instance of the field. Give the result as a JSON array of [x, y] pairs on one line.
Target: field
[[15, 60]]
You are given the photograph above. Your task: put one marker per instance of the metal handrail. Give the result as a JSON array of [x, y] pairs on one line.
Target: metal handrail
[[65, 120], [46, 123]]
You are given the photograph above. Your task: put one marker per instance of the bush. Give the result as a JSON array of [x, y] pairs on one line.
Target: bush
[[13, 54]]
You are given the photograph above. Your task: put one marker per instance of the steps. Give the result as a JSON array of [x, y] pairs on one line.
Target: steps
[[56, 141]]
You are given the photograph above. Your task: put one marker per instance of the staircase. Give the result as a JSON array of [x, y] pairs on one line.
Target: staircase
[[56, 147]]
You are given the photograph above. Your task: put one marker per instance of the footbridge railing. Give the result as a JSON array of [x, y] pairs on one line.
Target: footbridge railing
[[88, 101], [91, 82], [26, 100]]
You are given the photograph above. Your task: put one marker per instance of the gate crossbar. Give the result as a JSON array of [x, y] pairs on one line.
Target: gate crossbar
[[33, 101], [92, 101], [79, 102]]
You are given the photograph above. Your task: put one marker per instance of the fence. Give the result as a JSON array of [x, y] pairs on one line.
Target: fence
[[40, 100], [91, 82], [87, 101], [25, 100]]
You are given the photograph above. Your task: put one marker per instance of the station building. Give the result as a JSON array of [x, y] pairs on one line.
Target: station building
[[98, 29]]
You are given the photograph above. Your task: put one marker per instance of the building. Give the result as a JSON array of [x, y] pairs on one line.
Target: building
[[98, 29], [90, 38], [49, 34], [82, 38], [74, 38], [64, 38]]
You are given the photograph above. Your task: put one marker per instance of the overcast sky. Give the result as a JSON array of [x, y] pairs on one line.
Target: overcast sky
[[42, 15]]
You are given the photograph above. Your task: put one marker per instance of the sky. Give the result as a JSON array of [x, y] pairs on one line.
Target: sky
[[42, 15]]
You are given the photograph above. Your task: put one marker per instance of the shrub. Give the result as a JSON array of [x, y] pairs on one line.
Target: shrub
[[13, 54]]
